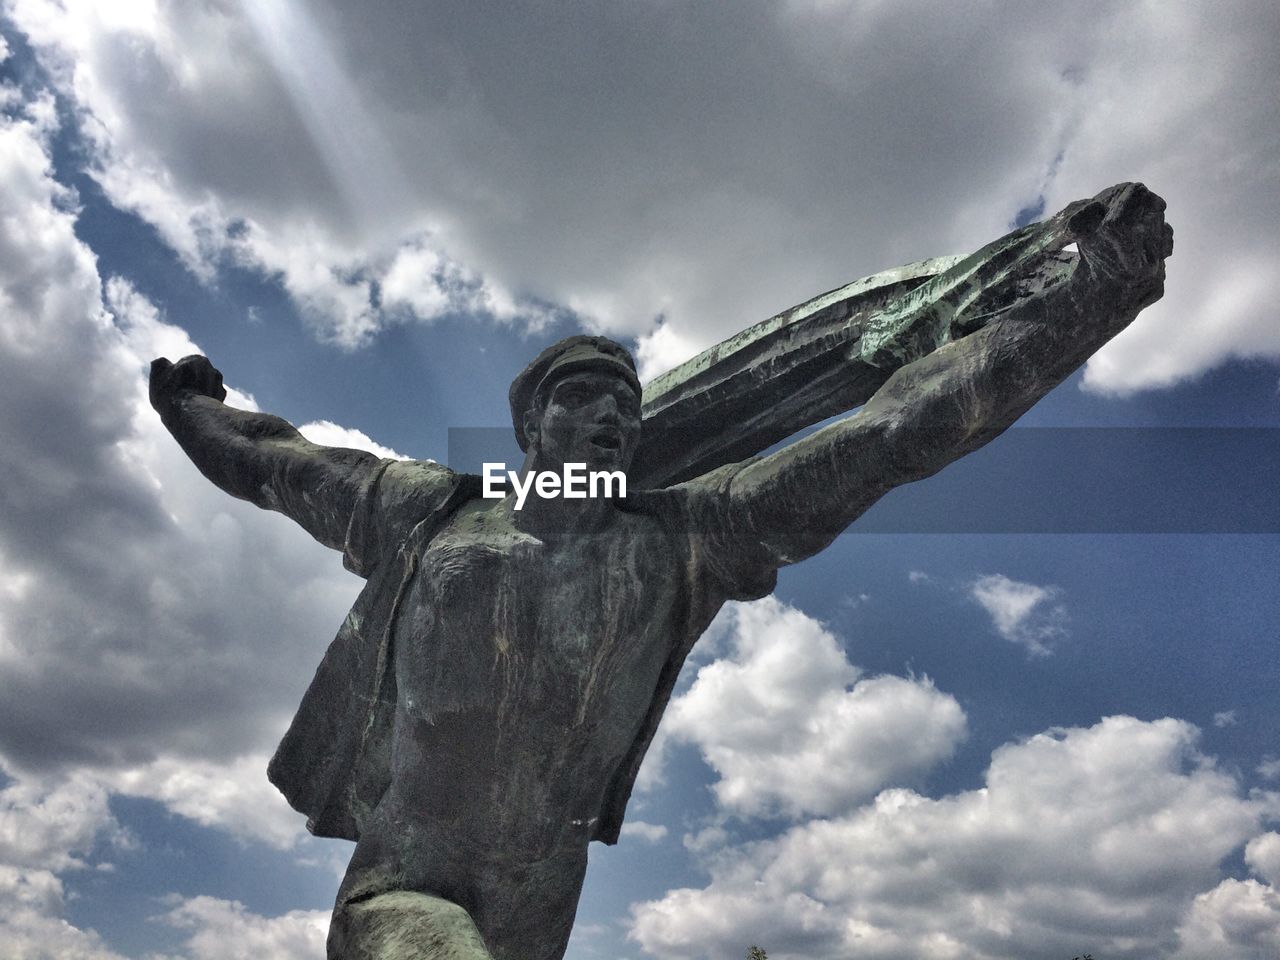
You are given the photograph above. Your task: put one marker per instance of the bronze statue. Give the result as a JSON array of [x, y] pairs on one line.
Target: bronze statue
[[483, 712]]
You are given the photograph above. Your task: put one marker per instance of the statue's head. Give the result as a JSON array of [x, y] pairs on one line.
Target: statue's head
[[578, 402]]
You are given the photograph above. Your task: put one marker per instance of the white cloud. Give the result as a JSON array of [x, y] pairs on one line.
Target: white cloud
[[53, 330], [225, 930], [707, 838], [1262, 854], [1224, 718], [662, 349], [791, 727], [648, 832], [271, 114], [30, 927], [49, 827], [427, 284], [329, 434], [53, 826], [233, 795], [150, 626], [1177, 99], [1023, 613], [1095, 839], [654, 174], [413, 282], [1237, 920]]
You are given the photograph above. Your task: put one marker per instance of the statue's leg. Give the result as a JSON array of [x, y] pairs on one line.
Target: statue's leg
[[403, 925]]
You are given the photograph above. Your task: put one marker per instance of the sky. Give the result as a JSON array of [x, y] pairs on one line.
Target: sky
[[1023, 710]]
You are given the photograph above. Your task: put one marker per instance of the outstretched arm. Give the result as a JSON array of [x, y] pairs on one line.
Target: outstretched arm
[[259, 457], [955, 399]]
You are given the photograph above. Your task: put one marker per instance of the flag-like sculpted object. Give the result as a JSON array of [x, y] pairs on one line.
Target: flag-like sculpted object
[[830, 354]]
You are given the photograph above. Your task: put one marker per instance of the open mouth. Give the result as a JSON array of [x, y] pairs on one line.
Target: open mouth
[[607, 440]]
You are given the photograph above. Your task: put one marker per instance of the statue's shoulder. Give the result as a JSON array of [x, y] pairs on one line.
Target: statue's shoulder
[[403, 497], [412, 491]]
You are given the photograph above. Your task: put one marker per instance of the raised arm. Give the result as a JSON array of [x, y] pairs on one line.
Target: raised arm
[[955, 399], [259, 457]]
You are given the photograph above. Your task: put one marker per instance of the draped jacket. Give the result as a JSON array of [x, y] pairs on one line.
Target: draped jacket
[[334, 761]]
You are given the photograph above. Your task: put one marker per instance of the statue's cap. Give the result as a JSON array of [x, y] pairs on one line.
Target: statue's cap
[[567, 356]]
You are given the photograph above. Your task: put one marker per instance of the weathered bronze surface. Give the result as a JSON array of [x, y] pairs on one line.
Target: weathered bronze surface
[[484, 709]]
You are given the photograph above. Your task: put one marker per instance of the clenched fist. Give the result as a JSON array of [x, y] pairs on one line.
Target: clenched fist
[[1123, 239], [193, 374]]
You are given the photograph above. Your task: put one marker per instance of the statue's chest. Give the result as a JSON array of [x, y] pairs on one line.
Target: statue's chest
[[579, 629], [520, 587]]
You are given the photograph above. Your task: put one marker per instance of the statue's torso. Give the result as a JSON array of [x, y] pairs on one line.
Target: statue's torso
[[525, 681], [524, 671]]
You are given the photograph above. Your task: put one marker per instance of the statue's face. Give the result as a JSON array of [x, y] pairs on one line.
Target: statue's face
[[590, 417]]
